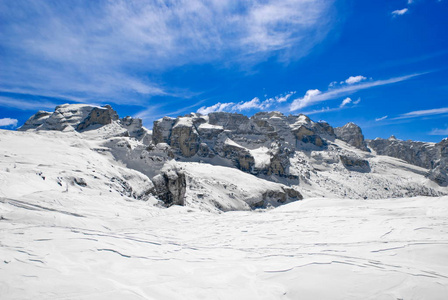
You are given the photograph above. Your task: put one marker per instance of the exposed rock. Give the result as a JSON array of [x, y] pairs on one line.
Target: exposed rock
[[35, 120], [235, 122], [426, 155], [353, 163], [98, 116], [306, 135], [170, 186], [439, 174], [242, 158], [420, 154], [352, 135], [81, 117], [276, 197], [66, 117], [161, 131], [185, 138]]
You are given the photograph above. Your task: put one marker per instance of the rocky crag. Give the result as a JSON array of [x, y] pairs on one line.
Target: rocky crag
[[432, 156], [268, 159]]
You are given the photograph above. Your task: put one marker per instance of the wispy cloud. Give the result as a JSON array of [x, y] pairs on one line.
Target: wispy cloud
[[399, 12], [423, 113], [104, 50], [438, 131], [254, 104], [8, 122], [345, 102], [381, 119], [26, 104], [315, 96]]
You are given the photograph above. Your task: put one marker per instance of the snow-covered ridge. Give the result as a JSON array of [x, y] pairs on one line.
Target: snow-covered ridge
[[287, 156]]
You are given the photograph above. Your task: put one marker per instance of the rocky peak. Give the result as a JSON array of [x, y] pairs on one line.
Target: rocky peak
[[352, 135], [98, 116], [82, 117], [35, 120]]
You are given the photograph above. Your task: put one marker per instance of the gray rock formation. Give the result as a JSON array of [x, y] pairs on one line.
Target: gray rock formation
[[353, 163], [351, 134], [98, 116], [35, 120], [233, 137], [170, 186], [420, 154], [274, 198], [426, 155], [81, 117]]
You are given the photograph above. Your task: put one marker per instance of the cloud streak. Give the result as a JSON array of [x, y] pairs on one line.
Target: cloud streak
[[105, 49], [399, 12], [438, 131], [26, 104], [312, 97], [423, 113]]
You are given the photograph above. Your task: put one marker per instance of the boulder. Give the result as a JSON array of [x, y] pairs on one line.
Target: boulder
[[353, 163], [170, 187]]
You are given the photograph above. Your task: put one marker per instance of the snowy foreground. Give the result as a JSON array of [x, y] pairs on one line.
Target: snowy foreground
[[312, 249], [71, 227]]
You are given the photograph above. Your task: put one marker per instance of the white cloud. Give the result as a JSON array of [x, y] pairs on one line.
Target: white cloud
[[380, 119], [105, 49], [345, 102], [423, 113], [438, 131], [400, 12], [255, 103], [214, 108], [8, 122], [355, 79], [357, 101], [410, 1], [312, 97]]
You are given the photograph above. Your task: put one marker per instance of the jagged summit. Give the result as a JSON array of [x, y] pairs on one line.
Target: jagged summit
[[83, 117], [228, 161]]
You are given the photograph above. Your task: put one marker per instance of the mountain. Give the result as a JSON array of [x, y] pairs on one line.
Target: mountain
[[227, 161], [94, 206]]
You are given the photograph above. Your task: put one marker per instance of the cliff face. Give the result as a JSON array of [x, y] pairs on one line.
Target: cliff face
[[229, 161], [82, 118], [352, 134], [426, 155]]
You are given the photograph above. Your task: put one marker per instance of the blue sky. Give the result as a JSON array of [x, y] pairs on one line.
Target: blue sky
[[382, 64]]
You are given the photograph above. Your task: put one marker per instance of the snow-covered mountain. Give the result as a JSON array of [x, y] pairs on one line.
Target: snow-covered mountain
[[93, 206], [224, 161]]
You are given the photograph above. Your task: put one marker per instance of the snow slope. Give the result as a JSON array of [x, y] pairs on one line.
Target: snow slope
[[99, 248], [77, 223]]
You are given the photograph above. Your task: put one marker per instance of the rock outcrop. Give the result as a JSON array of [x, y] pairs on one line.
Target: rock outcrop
[[170, 186], [98, 116], [35, 120], [355, 163], [239, 139], [352, 135], [426, 155], [82, 117], [420, 154]]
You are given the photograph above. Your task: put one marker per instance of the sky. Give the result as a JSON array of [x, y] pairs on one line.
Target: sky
[[382, 64]]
